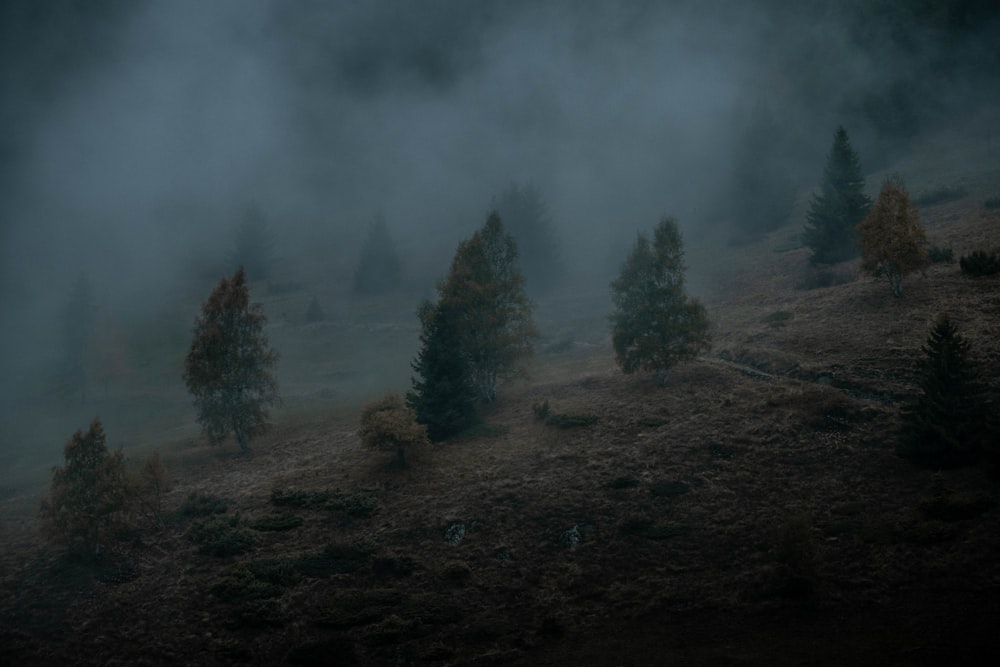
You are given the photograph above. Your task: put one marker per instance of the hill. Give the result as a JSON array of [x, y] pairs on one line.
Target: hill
[[750, 511]]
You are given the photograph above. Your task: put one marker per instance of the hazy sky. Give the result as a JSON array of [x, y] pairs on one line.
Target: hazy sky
[[135, 133]]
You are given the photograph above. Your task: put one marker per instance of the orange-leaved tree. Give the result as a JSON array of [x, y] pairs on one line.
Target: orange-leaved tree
[[891, 239], [228, 366], [387, 423]]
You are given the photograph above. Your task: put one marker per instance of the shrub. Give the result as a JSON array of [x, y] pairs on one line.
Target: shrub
[[149, 484], [221, 537], [387, 423], [88, 499], [940, 195], [939, 255], [201, 505], [980, 263]]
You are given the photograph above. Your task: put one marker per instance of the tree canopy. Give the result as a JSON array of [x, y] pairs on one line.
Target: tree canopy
[[228, 366], [655, 324], [892, 240]]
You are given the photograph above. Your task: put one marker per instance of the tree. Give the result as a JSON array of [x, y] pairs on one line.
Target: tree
[[254, 245], [484, 290], [527, 218], [228, 366], [443, 398], [378, 267], [838, 207], [387, 423], [79, 316], [654, 324], [89, 494], [948, 425], [891, 238]]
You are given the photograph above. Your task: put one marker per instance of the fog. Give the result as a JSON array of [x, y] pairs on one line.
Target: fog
[[134, 134]]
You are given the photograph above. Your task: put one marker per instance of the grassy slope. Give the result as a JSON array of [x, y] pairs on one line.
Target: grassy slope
[[652, 536]]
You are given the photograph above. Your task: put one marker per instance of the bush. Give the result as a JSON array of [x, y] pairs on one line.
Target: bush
[[201, 505], [940, 195], [387, 423], [221, 537], [88, 500], [939, 255], [980, 263]]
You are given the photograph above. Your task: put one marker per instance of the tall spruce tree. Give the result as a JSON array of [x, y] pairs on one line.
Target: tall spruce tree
[[379, 266], [655, 324], [228, 366], [949, 424], [443, 396], [526, 217], [839, 206]]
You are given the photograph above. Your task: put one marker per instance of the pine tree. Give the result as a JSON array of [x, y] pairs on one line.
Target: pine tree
[[654, 324], [527, 219], [387, 423], [228, 366], [839, 206], [948, 425], [379, 267], [89, 494], [891, 238], [443, 398]]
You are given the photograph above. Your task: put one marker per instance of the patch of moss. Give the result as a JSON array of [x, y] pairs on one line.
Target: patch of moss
[[277, 522]]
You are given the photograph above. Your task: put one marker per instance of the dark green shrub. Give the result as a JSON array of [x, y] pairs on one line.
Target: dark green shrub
[[625, 482], [940, 195], [277, 522], [201, 505], [939, 255], [221, 537], [980, 263], [669, 489]]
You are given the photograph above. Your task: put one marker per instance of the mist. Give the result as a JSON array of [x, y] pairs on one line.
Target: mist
[[135, 134]]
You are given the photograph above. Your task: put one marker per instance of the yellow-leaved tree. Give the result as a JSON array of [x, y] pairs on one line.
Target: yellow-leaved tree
[[891, 239]]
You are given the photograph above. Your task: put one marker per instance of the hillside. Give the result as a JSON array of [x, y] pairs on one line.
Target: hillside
[[750, 511]]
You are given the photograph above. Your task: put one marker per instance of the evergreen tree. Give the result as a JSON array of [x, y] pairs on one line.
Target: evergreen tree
[[379, 267], [654, 324], [443, 396], [228, 366], [948, 425], [527, 219], [839, 206], [89, 494], [891, 238], [78, 324], [254, 245]]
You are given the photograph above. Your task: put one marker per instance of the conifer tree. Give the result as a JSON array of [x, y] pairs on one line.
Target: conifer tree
[[948, 425], [443, 396], [89, 494], [228, 366], [892, 240], [378, 267], [838, 207], [527, 219], [655, 324]]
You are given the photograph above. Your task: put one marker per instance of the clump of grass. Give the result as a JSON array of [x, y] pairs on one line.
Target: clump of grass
[[939, 255], [277, 522], [221, 537], [941, 195], [777, 319], [980, 263], [624, 482], [669, 489], [568, 420], [335, 559], [201, 505], [457, 572]]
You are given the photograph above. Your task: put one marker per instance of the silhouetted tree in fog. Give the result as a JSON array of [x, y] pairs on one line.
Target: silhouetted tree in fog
[[840, 205], [526, 218], [891, 238], [228, 366], [655, 324], [254, 245], [948, 425], [79, 317], [378, 268]]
